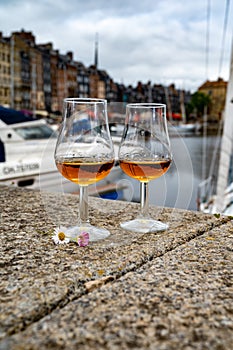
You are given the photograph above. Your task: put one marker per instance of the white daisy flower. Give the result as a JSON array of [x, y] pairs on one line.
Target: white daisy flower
[[60, 236]]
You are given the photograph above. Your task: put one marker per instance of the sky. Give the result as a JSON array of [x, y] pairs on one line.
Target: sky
[[162, 41]]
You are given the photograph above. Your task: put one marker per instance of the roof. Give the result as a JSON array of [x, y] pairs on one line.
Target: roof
[[11, 116], [213, 84]]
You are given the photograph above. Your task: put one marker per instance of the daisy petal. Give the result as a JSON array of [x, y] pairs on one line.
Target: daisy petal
[[60, 236]]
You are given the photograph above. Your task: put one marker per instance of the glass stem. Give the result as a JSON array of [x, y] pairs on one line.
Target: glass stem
[[144, 195], [83, 205]]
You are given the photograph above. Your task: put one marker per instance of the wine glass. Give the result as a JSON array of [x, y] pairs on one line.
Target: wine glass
[[144, 155], [84, 154]]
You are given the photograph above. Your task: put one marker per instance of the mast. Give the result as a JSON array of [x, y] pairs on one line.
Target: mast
[[182, 106], [226, 144], [167, 97]]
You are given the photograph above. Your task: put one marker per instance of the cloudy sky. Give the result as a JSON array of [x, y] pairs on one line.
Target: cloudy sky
[[163, 41]]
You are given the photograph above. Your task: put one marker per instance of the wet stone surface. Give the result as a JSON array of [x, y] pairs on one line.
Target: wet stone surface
[[170, 290]]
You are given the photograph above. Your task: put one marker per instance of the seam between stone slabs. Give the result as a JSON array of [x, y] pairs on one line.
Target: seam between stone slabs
[[198, 233], [85, 288]]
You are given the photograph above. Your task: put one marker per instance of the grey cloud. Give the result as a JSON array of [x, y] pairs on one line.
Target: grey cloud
[[161, 41]]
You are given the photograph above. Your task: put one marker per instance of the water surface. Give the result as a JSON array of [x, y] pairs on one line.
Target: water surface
[[194, 158]]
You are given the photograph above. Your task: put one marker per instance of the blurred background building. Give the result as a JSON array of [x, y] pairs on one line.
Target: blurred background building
[[36, 78]]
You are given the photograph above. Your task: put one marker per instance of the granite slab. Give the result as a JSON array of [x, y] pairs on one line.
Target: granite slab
[[128, 291]]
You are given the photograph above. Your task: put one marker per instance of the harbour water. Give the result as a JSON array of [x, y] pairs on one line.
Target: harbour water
[[194, 159]]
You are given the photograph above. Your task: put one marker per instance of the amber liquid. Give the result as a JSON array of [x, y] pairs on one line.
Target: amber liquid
[[145, 171], [84, 173]]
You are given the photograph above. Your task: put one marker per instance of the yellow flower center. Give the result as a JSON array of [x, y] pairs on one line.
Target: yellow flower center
[[61, 236]]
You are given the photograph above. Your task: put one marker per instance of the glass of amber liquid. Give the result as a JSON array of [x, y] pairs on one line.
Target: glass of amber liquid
[[84, 154], [145, 155]]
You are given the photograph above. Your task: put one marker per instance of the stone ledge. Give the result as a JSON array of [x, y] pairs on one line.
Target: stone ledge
[[44, 285]]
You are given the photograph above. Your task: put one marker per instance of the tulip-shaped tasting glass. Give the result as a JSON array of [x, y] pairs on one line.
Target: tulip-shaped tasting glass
[[145, 155], [84, 154]]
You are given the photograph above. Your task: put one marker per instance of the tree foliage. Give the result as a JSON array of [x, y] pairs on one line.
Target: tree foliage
[[198, 102]]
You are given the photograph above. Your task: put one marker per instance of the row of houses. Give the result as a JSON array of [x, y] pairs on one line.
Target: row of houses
[[36, 77]]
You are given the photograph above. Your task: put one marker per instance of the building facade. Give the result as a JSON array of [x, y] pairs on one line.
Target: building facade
[[5, 71], [83, 81], [217, 92], [37, 78]]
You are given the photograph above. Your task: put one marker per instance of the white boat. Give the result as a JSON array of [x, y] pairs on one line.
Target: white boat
[[221, 201], [25, 145], [27, 156], [182, 129]]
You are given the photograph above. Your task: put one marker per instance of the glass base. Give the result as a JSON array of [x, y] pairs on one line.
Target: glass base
[[144, 225], [95, 233]]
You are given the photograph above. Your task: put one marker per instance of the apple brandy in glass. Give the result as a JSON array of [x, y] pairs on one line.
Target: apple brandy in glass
[[145, 155], [84, 154]]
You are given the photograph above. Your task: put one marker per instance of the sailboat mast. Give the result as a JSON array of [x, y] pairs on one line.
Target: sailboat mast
[[227, 142], [167, 97], [182, 106]]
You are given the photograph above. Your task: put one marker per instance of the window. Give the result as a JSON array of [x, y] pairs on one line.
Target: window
[[35, 132]]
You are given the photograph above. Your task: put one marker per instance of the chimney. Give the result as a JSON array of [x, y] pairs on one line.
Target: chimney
[[69, 54]]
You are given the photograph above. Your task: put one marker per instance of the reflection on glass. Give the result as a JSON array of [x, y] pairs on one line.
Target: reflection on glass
[[84, 153], [145, 155]]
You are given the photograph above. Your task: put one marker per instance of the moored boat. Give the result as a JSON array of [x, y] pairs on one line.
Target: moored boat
[[215, 194], [27, 155]]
